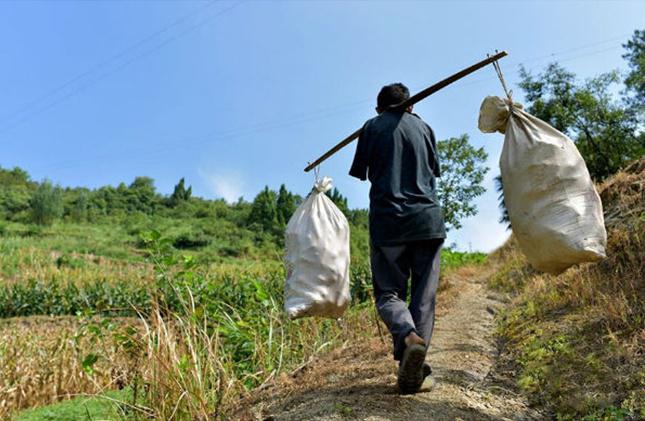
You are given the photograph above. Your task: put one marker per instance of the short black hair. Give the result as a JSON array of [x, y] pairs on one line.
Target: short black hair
[[392, 94]]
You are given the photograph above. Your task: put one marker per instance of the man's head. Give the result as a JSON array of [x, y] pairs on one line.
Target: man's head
[[392, 94]]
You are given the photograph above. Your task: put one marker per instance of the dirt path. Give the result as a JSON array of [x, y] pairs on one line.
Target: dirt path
[[358, 382]]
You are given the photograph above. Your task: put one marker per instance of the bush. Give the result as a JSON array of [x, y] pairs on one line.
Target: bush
[[46, 204], [69, 261], [189, 240]]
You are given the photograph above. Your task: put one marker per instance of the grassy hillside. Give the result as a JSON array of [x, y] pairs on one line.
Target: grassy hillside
[[575, 342]]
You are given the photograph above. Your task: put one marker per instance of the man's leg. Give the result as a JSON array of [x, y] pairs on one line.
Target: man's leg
[[426, 257], [390, 274]]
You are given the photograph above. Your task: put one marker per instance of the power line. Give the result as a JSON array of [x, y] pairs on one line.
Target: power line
[[106, 62], [33, 109], [543, 60], [316, 115], [581, 47], [209, 138]]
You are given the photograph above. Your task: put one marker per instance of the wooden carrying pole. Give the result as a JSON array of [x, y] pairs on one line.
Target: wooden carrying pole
[[411, 101]]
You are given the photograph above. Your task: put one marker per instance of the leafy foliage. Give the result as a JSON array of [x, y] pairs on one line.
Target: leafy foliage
[[286, 204], [461, 179], [499, 188], [46, 203], [180, 193], [635, 80], [339, 200], [604, 129], [80, 207], [55, 298], [264, 211]]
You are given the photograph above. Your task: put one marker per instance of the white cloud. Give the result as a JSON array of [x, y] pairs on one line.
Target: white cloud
[[228, 185]]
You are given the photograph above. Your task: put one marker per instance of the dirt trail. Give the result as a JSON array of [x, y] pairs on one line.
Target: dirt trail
[[358, 382]]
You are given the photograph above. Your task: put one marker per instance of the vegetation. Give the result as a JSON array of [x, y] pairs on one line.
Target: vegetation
[[226, 328], [607, 130], [635, 80], [43, 360], [46, 203], [100, 407], [178, 325], [461, 180], [576, 338]]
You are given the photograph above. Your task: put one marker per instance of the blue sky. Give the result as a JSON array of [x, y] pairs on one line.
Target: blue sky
[[237, 95]]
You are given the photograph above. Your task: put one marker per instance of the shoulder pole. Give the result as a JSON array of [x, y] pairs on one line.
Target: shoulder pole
[[411, 101]]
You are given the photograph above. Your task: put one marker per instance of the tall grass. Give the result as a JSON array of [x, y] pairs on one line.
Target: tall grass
[[206, 345]]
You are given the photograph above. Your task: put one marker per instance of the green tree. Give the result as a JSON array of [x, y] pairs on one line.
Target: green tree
[[462, 175], [180, 193], [16, 189], [635, 80], [604, 129], [264, 210], [141, 195], [286, 205], [339, 200], [46, 203], [80, 207], [499, 188], [14, 177]]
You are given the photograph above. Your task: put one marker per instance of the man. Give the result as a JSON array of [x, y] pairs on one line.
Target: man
[[397, 152]]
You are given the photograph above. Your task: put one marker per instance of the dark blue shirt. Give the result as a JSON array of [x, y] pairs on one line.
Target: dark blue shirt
[[397, 151]]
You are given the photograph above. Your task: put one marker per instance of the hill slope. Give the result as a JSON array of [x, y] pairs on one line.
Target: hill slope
[[576, 340]]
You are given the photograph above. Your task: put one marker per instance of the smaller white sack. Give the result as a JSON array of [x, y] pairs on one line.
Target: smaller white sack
[[555, 211], [317, 257]]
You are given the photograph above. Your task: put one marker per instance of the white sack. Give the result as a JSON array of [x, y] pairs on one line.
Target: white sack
[[555, 211], [317, 258]]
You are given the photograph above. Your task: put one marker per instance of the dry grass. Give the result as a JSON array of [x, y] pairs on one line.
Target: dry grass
[[579, 336], [41, 361], [190, 375]]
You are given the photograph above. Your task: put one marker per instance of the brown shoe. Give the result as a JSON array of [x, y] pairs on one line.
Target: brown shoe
[[411, 370]]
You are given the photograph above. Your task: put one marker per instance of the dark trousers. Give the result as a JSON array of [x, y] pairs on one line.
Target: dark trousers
[[392, 268]]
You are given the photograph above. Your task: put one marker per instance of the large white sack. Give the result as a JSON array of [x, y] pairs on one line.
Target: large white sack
[[555, 211], [317, 258]]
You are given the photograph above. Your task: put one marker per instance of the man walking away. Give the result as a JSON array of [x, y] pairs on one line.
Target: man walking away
[[397, 151]]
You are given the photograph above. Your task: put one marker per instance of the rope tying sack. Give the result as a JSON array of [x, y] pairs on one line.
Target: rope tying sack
[[500, 75], [495, 111]]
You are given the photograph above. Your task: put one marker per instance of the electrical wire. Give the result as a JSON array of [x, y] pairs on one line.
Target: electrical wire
[[298, 119], [33, 108]]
